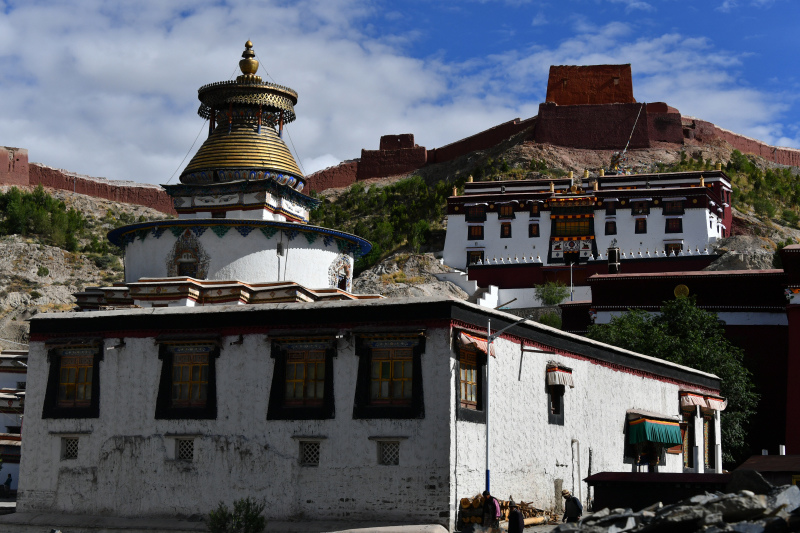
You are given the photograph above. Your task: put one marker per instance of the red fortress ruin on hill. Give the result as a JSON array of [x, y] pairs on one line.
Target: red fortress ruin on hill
[[21, 173], [589, 107]]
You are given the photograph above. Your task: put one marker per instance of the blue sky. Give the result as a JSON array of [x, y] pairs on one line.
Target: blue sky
[[109, 88]]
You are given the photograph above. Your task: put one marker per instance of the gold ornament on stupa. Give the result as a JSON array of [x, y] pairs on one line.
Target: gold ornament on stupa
[[246, 117]]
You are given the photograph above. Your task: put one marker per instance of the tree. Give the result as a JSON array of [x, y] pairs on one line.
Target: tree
[[551, 293], [246, 517], [689, 336]]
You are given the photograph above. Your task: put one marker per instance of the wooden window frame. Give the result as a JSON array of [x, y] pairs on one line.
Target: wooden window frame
[[190, 373], [394, 367], [505, 230], [555, 404], [505, 212], [475, 252], [53, 407], [640, 226], [673, 207], [478, 236], [308, 409], [611, 209], [535, 210], [640, 208], [475, 213], [465, 409], [166, 407], [572, 227], [533, 230], [367, 408], [676, 223], [611, 227]]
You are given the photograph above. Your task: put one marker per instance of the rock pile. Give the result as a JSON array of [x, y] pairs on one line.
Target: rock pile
[[775, 511]]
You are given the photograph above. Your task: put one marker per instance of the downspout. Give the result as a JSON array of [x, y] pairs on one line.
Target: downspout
[[578, 443]]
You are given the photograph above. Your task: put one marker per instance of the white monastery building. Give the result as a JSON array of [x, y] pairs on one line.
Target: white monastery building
[[167, 395]]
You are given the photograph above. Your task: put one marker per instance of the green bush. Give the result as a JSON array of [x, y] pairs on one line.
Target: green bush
[[43, 271], [764, 207], [551, 293], [105, 261], [37, 213], [246, 517], [35, 295], [790, 217], [550, 318]]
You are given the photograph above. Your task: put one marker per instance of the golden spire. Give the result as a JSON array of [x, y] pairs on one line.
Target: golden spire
[[248, 65]]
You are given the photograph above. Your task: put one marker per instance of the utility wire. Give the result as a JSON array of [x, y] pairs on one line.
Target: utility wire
[[634, 128], [14, 342]]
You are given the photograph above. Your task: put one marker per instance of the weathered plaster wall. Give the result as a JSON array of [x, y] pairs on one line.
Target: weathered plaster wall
[[591, 84], [13, 166], [126, 463], [527, 453], [382, 163]]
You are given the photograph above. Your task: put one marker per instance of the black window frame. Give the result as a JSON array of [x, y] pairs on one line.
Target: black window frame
[[478, 213], [535, 210], [533, 230], [640, 208], [509, 216], [51, 409], [503, 227], [679, 229], [477, 415], [277, 408], [164, 408], [470, 237], [555, 393], [363, 408], [640, 222], [611, 208], [611, 227], [470, 252], [673, 207]]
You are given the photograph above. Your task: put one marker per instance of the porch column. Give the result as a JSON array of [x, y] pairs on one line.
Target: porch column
[[718, 445], [699, 441]]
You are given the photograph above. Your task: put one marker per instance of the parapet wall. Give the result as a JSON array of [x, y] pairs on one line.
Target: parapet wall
[[599, 127], [23, 174], [13, 166], [127, 192], [342, 175], [703, 131], [480, 141], [592, 84], [382, 163]]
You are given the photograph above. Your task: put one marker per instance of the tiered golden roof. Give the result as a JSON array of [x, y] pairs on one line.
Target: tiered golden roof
[[243, 143]]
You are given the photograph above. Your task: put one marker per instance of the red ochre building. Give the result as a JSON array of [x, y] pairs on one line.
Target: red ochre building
[[761, 313]]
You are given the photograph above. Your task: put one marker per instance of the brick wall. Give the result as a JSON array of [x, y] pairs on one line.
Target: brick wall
[[341, 175], [599, 127], [594, 84], [479, 141], [703, 131], [382, 163], [395, 142], [146, 195], [13, 166]]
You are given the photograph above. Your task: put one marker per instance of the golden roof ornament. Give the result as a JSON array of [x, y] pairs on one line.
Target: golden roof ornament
[[249, 65]]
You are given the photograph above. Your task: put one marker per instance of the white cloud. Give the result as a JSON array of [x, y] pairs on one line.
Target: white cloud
[[539, 19], [110, 89]]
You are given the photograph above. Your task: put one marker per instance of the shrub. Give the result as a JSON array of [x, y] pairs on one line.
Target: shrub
[[763, 207], [246, 517], [43, 271], [551, 293], [35, 295], [550, 318]]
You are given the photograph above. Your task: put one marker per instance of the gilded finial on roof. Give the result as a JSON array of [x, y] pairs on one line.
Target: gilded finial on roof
[[248, 65]]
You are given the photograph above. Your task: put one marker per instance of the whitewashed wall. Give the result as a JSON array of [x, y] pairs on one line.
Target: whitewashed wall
[[527, 453], [251, 259], [124, 466], [700, 227]]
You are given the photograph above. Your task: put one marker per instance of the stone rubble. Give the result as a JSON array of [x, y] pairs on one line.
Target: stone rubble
[[777, 510]]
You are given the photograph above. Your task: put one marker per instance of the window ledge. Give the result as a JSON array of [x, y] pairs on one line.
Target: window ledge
[[68, 433], [390, 438], [311, 438]]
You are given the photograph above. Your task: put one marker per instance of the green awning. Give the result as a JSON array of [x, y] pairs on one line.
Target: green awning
[[653, 430]]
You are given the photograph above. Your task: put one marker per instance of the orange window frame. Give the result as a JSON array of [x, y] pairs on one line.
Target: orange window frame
[[190, 380], [75, 381], [391, 376], [468, 377], [305, 378]]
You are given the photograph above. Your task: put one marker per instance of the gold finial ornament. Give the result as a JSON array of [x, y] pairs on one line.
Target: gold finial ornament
[[248, 65]]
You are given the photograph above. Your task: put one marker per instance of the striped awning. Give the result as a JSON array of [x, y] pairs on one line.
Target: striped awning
[[690, 399], [478, 343], [559, 375], [647, 429], [705, 401]]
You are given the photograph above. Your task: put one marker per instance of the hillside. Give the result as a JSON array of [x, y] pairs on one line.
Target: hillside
[[37, 276]]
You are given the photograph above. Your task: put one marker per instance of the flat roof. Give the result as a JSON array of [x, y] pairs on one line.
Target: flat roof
[[389, 314]]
